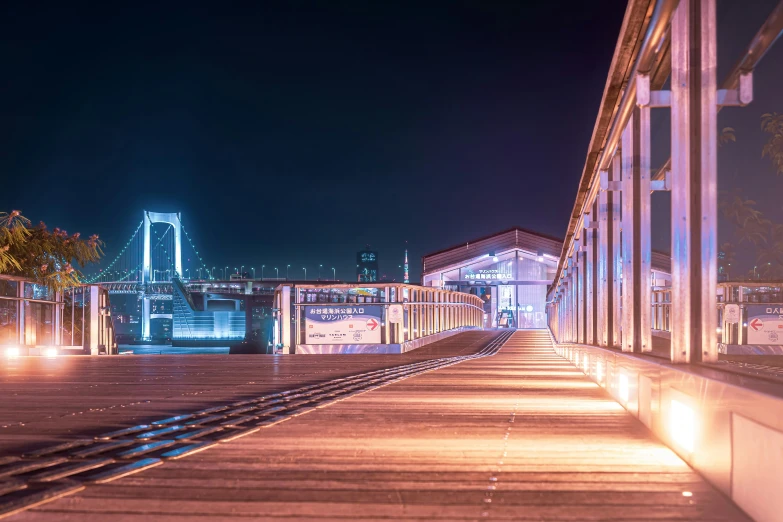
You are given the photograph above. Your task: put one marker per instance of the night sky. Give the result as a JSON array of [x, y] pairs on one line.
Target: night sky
[[297, 132]]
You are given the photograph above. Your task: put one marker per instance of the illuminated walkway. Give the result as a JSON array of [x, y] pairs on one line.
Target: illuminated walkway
[[522, 435]]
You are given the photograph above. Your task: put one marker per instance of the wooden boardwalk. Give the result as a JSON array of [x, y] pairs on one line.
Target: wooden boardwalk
[[46, 401], [521, 435]]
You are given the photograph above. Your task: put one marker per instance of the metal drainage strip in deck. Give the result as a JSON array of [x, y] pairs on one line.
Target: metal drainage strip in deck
[[50, 473]]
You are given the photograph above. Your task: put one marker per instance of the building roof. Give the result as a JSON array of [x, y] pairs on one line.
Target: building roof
[[515, 237]]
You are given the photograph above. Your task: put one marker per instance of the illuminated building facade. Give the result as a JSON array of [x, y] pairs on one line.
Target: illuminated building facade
[[509, 270], [367, 265]]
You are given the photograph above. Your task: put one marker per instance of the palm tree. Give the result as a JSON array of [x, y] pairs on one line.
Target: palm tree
[[772, 123], [738, 209], [729, 256], [727, 135]]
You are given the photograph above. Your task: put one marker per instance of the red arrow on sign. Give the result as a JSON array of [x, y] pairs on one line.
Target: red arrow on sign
[[372, 324], [756, 324]]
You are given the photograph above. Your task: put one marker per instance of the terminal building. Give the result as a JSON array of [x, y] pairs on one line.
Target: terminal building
[[509, 271]]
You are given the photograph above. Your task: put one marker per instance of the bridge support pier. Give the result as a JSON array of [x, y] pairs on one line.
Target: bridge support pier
[[146, 307]]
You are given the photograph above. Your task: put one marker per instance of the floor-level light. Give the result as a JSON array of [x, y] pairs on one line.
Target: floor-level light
[[682, 425], [622, 384]]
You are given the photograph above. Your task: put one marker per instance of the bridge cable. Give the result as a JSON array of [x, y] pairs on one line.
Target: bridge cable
[[119, 256], [190, 241], [142, 261]]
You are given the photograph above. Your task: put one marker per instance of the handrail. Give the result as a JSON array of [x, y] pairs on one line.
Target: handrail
[[657, 20], [766, 36]]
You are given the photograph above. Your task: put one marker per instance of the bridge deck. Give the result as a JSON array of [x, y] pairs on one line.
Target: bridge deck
[[522, 435]]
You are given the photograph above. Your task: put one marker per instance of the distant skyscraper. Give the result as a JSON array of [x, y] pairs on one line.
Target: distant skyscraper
[[366, 265], [406, 278]]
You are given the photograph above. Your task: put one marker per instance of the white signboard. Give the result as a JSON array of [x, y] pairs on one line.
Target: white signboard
[[494, 274], [395, 313], [350, 323], [765, 324], [731, 313]]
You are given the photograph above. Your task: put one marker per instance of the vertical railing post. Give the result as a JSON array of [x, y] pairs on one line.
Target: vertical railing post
[[615, 258], [590, 275], [578, 291], [565, 302], [636, 232], [605, 261], [694, 182], [20, 313]]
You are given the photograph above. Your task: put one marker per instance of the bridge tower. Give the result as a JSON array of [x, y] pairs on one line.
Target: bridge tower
[[173, 219]]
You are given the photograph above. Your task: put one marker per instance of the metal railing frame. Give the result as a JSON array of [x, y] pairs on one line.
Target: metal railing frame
[[601, 294]]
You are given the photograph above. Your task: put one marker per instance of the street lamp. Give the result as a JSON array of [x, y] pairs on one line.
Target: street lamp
[[286, 271], [212, 275], [262, 272], [334, 276], [225, 273], [319, 271], [277, 274], [305, 270], [254, 271], [242, 269]]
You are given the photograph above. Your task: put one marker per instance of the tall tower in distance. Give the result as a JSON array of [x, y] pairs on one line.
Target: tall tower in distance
[[406, 278]]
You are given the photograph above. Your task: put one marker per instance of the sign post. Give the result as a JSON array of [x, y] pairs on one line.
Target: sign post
[[731, 313], [395, 313]]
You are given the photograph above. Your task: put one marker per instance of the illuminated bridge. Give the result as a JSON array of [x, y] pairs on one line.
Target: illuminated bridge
[[148, 282], [628, 405]]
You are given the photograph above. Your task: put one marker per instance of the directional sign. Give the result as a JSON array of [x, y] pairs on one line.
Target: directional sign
[[765, 324], [343, 323]]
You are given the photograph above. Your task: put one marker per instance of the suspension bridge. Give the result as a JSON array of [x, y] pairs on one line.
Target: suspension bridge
[[149, 269], [147, 266]]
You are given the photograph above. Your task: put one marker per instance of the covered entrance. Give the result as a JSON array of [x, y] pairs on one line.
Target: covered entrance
[[509, 271]]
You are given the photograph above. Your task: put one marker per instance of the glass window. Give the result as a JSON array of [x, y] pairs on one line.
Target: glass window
[[531, 301], [9, 311], [33, 291], [38, 323], [8, 288]]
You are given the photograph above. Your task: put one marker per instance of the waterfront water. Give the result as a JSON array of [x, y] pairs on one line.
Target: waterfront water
[[162, 349]]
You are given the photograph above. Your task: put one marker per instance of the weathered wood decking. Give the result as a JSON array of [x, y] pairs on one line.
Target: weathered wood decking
[[522, 435], [46, 401]]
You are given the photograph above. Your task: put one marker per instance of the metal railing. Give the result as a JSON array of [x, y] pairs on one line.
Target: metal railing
[[602, 293], [403, 313]]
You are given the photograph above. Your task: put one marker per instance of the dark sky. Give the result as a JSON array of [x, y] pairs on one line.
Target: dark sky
[[296, 132]]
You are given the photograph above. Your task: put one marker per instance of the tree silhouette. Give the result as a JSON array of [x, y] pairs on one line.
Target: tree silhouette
[[751, 227], [46, 257], [772, 123]]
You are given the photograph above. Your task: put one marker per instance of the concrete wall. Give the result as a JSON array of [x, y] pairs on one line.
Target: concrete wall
[[726, 426]]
